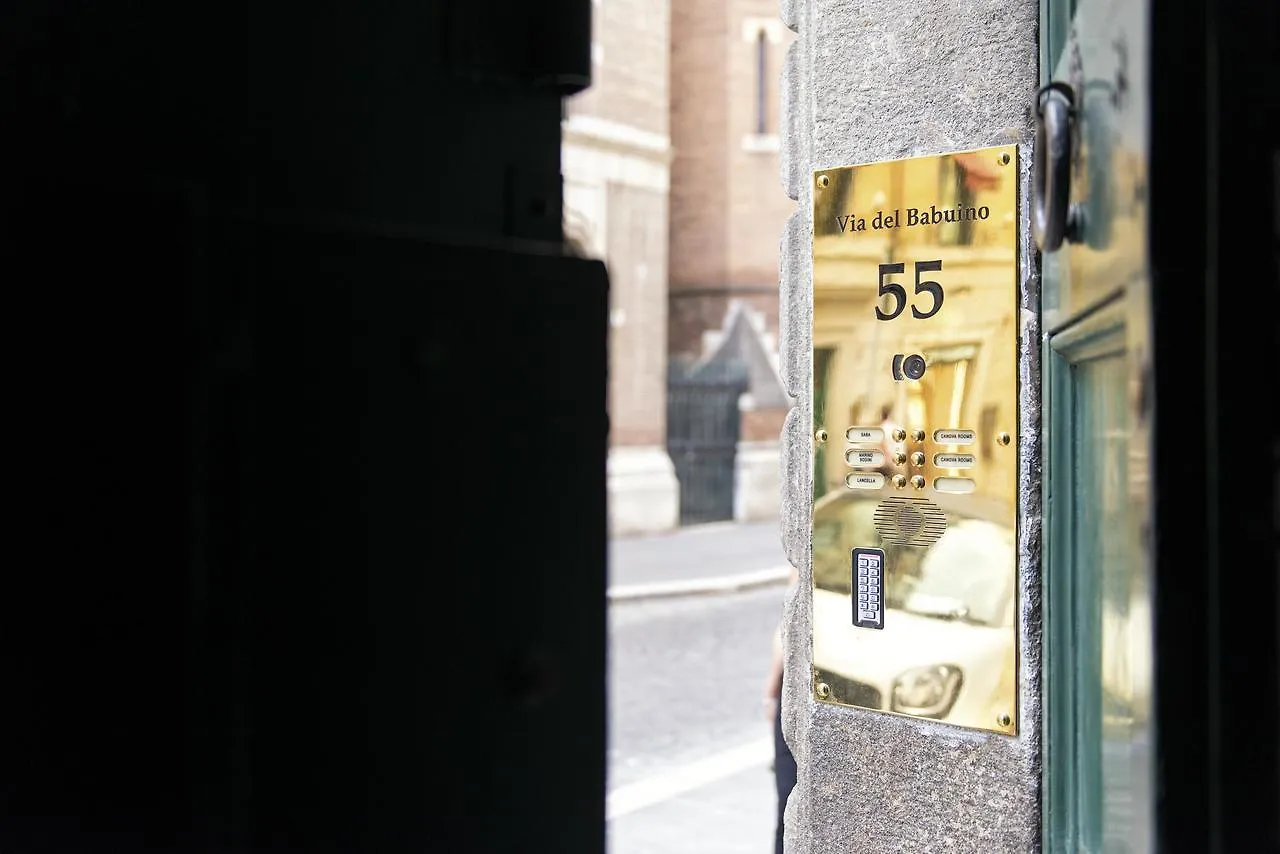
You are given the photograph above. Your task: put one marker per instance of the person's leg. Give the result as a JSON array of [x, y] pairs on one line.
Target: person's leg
[[784, 773]]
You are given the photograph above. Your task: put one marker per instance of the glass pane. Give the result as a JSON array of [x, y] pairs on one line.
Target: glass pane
[[1111, 620], [1055, 24]]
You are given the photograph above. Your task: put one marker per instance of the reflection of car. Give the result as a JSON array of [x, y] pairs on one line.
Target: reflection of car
[[948, 648]]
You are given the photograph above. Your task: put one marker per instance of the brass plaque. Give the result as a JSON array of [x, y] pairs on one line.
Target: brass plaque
[[915, 401]]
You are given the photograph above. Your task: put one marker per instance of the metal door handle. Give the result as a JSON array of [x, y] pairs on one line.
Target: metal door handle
[[1053, 218]]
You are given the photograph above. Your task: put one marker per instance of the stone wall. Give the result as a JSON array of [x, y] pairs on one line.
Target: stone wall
[[868, 81]]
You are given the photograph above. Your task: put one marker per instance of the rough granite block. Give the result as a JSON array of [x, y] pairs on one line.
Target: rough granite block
[[789, 10], [793, 157], [868, 81], [795, 311]]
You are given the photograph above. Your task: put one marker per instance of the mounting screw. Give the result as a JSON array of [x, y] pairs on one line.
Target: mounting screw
[[1004, 159], [1003, 438], [1004, 720], [823, 181], [824, 690], [821, 436]]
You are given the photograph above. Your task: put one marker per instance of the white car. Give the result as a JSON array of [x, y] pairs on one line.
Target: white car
[[948, 649]]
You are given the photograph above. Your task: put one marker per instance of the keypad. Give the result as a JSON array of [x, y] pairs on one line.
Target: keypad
[[868, 574]]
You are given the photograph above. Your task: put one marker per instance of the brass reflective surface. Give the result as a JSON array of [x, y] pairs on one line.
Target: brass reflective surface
[[915, 272]]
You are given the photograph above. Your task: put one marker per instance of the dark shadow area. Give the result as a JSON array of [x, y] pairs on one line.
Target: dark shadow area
[[308, 429], [1216, 597]]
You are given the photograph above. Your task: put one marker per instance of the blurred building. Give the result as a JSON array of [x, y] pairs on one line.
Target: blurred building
[[726, 215], [616, 162], [670, 164]]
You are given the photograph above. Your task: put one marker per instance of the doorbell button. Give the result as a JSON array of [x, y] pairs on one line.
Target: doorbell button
[[958, 485], [953, 437], [864, 434]]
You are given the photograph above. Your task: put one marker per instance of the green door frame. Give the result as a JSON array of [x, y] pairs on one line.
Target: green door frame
[[1212, 539], [1106, 318], [1071, 816]]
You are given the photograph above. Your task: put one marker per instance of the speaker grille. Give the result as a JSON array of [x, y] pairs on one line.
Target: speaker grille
[[909, 521]]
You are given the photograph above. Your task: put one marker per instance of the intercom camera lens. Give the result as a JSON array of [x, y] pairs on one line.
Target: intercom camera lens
[[913, 366]]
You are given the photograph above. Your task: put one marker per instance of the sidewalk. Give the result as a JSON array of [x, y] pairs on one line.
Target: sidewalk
[[713, 558], [725, 805]]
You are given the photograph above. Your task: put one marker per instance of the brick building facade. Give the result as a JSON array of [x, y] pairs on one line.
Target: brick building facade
[[726, 214], [726, 59], [670, 164]]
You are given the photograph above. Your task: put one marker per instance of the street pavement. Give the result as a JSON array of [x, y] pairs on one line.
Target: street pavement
[[689, 745], [705, 558]]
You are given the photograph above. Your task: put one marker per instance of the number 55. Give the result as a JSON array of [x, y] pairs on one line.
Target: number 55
[[899, 293]]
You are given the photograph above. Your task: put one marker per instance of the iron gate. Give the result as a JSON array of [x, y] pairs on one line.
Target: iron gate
[[702, 438]]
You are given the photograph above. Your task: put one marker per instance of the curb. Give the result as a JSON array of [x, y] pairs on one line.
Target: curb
[[700, 586]]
